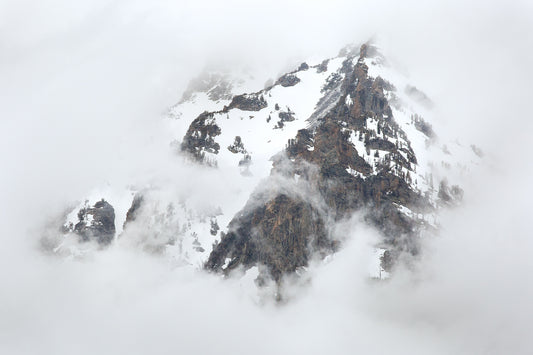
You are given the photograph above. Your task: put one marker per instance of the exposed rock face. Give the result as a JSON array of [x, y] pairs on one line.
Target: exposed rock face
[[289, 79], [303, 66], [237, 146], [200, 137], [284, 116], [283, 233], [248, 102], [280, 234], [133, 211], [214, 227], [322, 67], [96, 223]]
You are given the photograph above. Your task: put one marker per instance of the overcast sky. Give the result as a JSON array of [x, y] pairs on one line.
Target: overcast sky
[[83, 85]]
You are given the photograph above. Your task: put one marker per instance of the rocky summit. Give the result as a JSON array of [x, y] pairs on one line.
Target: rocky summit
[[346, 135], [356, 156]]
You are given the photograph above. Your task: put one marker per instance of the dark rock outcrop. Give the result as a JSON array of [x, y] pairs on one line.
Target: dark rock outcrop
[[322, 67], [96, 223], [303, 66], [237, 146], [200, 137], [284, 116], [281, 234], [288, 80], [248, 102]]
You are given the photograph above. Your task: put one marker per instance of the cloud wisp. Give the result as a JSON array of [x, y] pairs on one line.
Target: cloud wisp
[[82, 93]]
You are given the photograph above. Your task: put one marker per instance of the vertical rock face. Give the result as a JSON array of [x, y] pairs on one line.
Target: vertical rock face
[[97, 223], [280, 234], [133, 211]]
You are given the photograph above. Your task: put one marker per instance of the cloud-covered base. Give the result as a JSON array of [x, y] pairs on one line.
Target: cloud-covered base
[[83, 87]]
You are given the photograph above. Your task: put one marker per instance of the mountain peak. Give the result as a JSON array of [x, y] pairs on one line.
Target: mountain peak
[[345, 135]]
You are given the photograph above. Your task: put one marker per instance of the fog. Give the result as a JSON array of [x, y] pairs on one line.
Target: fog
[[83, 89]]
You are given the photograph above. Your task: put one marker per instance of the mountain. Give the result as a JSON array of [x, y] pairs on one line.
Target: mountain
[[345, 135]]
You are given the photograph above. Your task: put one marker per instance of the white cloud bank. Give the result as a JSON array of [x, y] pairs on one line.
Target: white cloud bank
[[82, 88]]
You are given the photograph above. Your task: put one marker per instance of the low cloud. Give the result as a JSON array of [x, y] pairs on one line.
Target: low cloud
[[83, 90]]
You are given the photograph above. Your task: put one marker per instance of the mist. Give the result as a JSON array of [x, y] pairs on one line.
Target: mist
[[83, 90]]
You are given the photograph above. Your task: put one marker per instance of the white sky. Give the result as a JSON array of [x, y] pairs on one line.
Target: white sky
[[82, 88]]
